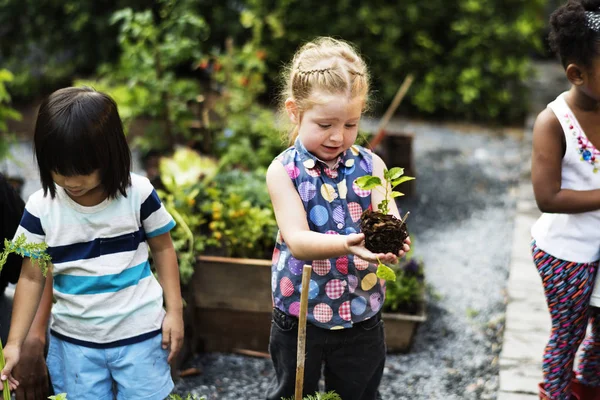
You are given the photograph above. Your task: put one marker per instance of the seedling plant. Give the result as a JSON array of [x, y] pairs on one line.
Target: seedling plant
[[39, 257], [384, 233]]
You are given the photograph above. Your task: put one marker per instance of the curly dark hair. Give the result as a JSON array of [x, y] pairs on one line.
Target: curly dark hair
[[570, 37]]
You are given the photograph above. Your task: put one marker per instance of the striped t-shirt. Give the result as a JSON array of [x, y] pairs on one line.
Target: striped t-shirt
[[106, 294]]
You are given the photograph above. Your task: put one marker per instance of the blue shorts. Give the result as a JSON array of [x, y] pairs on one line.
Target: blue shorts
[[137, 371]]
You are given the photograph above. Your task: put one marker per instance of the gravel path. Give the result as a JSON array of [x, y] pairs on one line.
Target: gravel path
[[461, 224]]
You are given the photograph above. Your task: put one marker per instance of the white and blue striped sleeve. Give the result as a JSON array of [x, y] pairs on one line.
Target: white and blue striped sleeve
[[31, 224], [155, 219]]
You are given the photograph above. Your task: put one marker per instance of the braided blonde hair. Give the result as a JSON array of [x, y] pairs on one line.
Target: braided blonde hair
[[328, 65]]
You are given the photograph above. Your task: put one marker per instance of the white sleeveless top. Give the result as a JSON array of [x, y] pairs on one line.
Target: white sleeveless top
[[572, 237]]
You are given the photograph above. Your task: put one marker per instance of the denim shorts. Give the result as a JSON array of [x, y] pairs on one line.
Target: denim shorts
[[136, 371]]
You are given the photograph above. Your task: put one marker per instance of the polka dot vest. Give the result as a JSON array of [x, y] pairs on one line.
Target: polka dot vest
[[343, 290]]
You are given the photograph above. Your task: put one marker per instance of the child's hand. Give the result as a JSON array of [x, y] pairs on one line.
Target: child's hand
[[31, 371], [405, 247], [172, 333], [355, 243], [11, 356]]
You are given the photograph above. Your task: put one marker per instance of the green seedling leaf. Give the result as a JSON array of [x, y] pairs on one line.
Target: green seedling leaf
[[385, 272], [403, 179], [368, 182], [60, 396], [397, 194], [394, 173], [5, 389]]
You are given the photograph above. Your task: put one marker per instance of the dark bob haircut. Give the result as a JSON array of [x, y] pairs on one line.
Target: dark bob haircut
[[78, 130]]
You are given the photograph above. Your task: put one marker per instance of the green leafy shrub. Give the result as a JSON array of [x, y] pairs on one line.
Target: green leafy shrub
[[407, 292], [245, 132], [241, 222], [6, 112], [220, 212], [144, 81], [185, 176], [45, 43], [470, 58], [188, 397]]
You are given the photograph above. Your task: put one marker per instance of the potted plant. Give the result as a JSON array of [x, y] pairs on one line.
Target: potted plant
[[37, 252], [404, 306]]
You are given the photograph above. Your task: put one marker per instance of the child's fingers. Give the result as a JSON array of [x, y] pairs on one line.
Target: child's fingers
[[355, 239], [7, 379], [176, 344], [407, 240], [13, 383], [166, 338], [405, 249], [388, 258]]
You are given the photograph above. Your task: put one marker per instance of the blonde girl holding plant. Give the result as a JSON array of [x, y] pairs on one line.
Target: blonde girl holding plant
[[317, 205]]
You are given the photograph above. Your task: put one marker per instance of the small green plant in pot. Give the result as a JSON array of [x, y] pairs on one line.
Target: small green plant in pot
[[384, 233], [37, 253], [405, 295]]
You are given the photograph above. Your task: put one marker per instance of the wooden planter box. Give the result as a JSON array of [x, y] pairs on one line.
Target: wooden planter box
[[400, 329], [232, 307]]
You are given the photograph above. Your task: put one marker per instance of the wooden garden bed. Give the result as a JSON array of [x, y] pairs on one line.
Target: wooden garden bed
[[232, 307]]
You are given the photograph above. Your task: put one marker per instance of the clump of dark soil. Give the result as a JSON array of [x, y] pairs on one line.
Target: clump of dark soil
[[384, 233]]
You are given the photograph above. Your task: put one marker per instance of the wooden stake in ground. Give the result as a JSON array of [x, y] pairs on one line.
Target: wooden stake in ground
[[390, 111], [300, 356]]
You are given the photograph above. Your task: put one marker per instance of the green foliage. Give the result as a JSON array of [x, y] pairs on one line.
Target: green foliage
[[188, 397], [246, 134], [393, 178], [408, 290], [185, 176], [386, 273], [61, 396], [223, 212], [470, 58], [239, 227], [46, 42], [6, 112], [20, 246], [321, 396], [250, 139], [145, 82]]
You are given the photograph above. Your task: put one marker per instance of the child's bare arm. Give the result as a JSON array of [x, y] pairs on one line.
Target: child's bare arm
[[165, 261], [302, 242], [25, 304], [26, 300], [31, 370], [546, 177]]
